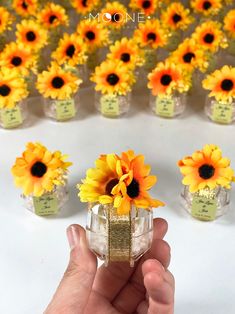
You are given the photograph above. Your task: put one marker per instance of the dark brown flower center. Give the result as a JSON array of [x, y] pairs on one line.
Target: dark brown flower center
[[209, 38], [16, 61], [24, 5], [70, 51], [84, 3], [112, 79], [30, 36], [206, 5], [133, 190], [166, 79], [115, 17], [188, 57], [206, 171], [111, 184], [146, 4], [52, 18], [38, 169], [152, 36], [176, 18], [4, 90], [125, 57], [227, 85], [90, 35], [57, 82]]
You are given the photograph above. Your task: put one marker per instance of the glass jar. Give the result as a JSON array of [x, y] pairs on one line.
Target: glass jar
[[119, 238], [111, 105], [168, 106], [206, 204], [220, 112], [61, 110], [11, 118], [49, 203]]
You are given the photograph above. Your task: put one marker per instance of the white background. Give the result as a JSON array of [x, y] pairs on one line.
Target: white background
[[34, 250]]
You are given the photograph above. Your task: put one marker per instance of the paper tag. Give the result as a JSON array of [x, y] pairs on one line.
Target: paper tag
[[165, 107], [204, 208], [109, 105], [65, 109], [46, 205], [222, 113], [11, 118]]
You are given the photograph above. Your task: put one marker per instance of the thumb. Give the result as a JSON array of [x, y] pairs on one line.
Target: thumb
[[74, 290]]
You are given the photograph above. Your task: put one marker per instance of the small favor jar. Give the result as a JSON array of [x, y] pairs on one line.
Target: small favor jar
[[11, 118], [207, 182], [219, 111]]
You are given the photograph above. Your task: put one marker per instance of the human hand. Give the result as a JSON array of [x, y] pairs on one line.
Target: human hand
[[148, 288]]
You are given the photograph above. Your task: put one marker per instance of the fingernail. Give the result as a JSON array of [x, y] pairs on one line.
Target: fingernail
[[73, 236]]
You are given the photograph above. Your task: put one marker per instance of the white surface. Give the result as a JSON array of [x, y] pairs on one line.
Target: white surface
[[34, 250]]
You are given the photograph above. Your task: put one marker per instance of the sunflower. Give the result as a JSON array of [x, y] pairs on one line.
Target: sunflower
[[206, 168], [134, 186], [151, 34], [229, 23], [221, 84], [71, 49], [16, 55], [127, 51], [168, 77], [57, 83], [25, 7], [85, 6], [113, 77], [148, 7], [176, 16], [210, 36], [5, 20], [207, 7], [94, 34], [31, 34], [190, 56], [13, 88], [53, 15], [38, 170], [114, 15]]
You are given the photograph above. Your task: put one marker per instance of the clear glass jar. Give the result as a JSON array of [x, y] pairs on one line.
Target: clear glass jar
[[219, 112], [206, 204], [11, 118], [119, 238], [112, 106], [168, 106], [49, 203], [61, 110]]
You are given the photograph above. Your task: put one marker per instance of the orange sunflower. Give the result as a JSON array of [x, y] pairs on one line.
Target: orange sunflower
[[148, 7], [229, 23], [114, 15], [5, 20], [85, 6], [207, 7], [53, 15], [31, 34], [25, 7], [166, 78], [210, 36], [206, 168], [151, 34]]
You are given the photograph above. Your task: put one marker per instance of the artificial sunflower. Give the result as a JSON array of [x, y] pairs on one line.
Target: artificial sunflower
[[25, 7], [229, 23], [57, 83], [94, 34], [206, 168], [16, 55], [176, 16], [39, 171], [221, 84], [53, 15], [31, 34], [113, 77], [71, 49], [114, 15], [151, 34], [85, 6], [206, 7], [13, 88], [168, 77], [148, 7], [5, 20], [190, 56], [127, 51], [210, 36]]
